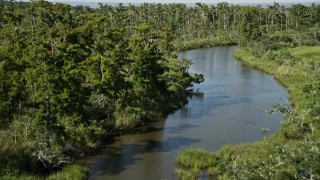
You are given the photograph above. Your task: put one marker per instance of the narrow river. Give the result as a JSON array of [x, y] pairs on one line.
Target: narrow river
[[232, 111]]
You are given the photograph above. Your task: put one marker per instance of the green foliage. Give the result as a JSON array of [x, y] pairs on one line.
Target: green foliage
[[69, 76], [128, 117], [249, 26], [289, 154], [196, 158], [188, 174], [220, 39], [70, 172], [16, 149]]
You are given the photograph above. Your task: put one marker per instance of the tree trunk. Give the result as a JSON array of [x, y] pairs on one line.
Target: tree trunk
[[101, 69]]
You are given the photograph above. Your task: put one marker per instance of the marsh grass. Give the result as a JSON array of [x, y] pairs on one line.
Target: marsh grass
[[307, 52], [295, 77], [196, 158], [237, 162], [292, 77], [188, 174], [71, 172]]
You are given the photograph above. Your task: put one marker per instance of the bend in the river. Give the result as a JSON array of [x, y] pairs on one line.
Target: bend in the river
[[232, 111]]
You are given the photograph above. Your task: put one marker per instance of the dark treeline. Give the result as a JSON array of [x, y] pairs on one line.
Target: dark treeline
[[70, 76], [231, 23]]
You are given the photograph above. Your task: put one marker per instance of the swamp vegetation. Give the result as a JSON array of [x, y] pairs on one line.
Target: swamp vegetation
[[71, 76], [291, 153]]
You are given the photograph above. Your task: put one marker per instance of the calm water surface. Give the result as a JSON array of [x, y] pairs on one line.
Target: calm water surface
[[232, 111]]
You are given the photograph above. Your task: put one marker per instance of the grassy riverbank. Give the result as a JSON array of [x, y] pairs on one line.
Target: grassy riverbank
[[291, 152], [292, 76]]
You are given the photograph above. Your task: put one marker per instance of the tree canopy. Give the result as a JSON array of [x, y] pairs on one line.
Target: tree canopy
[[72, 75]]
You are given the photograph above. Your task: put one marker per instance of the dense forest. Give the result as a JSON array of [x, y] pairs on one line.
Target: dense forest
[[71, 76]]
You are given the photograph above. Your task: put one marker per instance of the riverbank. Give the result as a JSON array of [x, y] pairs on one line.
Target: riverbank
[[292, 77], [226, 39], [290, 152], [223, 112], [81, 170]]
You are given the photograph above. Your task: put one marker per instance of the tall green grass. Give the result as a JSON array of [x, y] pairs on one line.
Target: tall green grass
[[188, 174], [196, 158], [71, 172], [193, 162], [307, 52]]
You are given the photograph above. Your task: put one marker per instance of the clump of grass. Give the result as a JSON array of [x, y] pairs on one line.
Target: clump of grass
[[70, 172], [212, 171], [188, 174], [265, 130], [196, 158]]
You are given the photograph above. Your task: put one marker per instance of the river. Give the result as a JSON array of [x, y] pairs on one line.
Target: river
[[232, 111]]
